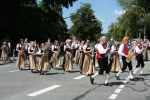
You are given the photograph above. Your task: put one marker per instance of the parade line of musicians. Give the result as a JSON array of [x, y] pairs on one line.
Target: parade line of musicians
[[81, 53]]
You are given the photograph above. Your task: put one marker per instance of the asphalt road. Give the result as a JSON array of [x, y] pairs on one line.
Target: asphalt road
[[60, 85]]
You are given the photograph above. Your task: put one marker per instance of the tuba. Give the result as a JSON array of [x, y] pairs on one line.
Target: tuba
[[130, 55]]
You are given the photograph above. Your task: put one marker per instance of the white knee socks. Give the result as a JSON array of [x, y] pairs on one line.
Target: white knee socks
[[141, 71], [106, 78], [96, 74], [120, 71], [131, 76]]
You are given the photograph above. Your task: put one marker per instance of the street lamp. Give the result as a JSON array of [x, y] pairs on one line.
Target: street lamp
[[144, 16]]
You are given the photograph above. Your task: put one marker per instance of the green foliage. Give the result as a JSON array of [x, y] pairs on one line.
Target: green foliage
[[27, 19], [85, 24], [134, 18]]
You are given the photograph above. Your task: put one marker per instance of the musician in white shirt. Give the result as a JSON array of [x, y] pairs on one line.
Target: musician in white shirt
[[67, 61], [32, 60], [123, 51], [139, 56], [102, 52]]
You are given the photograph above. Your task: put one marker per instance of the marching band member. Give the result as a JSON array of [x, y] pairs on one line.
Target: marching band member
[[50, 52], [139, 57], [73, 45], [88, 66], [81, 58], [145, 45], [95, 55], [32, 51], [102, 61], [115, 63], [44, 65], [56, 55], [26, 49], [21, 54], [76, 58], [67, 61], [123, 51]]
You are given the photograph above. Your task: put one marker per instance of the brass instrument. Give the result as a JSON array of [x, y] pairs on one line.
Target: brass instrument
[[21, 51], [58, 51], [45, 56], [130, 55]]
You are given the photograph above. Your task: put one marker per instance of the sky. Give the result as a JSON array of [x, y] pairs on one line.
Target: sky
[[105, 10]]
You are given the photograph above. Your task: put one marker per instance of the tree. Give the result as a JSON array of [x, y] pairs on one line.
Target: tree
[[134, 18], [26, 18], [85, 24]]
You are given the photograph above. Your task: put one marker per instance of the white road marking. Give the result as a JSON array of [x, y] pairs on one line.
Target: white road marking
[[14, 71], [118, 90], [121, 86], [113, 96], [43, 90], [79, 77]]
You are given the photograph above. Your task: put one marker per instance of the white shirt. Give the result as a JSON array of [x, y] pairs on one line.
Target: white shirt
[[34, 49], [26, 45], [81, 47], [85, 47], [137, 50], [73, 45], [54, 46], [67, 46], [96, 45], [113, 48], [120, 51], [100, 49]]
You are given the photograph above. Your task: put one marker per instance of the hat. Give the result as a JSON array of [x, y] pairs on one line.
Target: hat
[[68, 40]]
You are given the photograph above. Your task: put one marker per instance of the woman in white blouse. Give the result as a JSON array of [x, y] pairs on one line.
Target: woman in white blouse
[[88, 66], [67, 62], [32, 51], [44, 65], [114, 62], [56, 55]]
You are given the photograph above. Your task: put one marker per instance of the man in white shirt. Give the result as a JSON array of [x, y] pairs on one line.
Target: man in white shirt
[[102, 52]]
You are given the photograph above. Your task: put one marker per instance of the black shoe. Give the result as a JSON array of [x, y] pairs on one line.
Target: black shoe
[[21, 68], [132, 79], [108, 84], [142, 75], [91, 80], [81, 73], [117, 77]]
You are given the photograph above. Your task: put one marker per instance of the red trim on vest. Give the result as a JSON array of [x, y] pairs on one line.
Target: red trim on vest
[[139, 55], [101, 56], [125, 51]]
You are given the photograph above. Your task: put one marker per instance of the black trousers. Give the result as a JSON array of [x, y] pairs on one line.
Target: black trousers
[[27, 55], [50, 54], [140, 61], [73, 53], [125, 64], [63, 64], [110, 61], [103, 65]]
